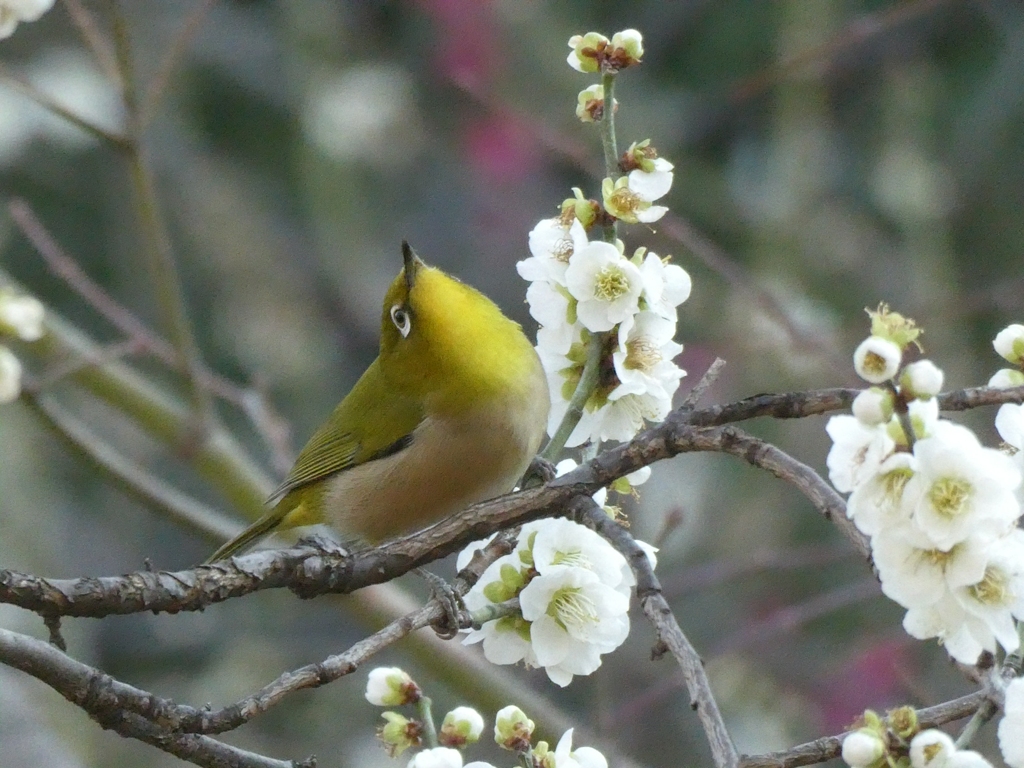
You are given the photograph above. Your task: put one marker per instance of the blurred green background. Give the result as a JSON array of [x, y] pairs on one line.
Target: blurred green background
[[829, 155]]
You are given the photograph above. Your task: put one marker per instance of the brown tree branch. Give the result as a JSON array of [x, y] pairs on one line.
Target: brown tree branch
[[110, 703], [670, 635]]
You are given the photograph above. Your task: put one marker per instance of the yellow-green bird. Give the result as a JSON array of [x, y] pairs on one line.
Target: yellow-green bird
[[451, 412]]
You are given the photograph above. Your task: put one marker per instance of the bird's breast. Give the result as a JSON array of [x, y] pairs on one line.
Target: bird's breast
[[452, 462]]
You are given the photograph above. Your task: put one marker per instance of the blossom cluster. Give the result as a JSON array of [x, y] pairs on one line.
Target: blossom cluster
[[573, 589], [13, 12], [22, 318], [463, 726], [897, 740], [582, 288], [941, 510]]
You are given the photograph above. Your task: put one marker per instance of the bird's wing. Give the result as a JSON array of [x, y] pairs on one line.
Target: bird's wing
[[370, 423]]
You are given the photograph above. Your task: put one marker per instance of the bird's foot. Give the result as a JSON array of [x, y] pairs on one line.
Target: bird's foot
[[447, 626], [539, 472]]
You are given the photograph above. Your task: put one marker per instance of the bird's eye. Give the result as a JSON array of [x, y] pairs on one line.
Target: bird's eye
[[400, 317]]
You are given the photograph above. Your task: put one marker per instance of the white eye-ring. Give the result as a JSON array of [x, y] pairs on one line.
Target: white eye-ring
[[400, 317]]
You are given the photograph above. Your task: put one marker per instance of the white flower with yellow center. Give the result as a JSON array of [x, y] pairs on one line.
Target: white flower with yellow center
[[552, 243], [914, 573], [666, 285], [644, 358], [624, 415], [630, 198], [857, 451], [961, 487], [879, 501], [563, 543], [606, 286], [876, 359], [575, 618]]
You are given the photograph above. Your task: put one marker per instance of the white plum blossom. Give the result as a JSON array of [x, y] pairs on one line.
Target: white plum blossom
[[21, 316], [1011, 727], [630, 198], [564, 756], [574, 619], [10, 376], [561, 542], [857, 451], [921, 379], [862, 748], [1009, 343], [438, 757], [916, 574], [964, 487], [643, 359], [931, 749], [549, 306], [622, 416], [13, 12], [666, 286], [877, 360], [552, 243], [879, 501], [606, 285]]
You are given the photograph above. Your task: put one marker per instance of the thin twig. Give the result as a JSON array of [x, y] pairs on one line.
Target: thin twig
[[670, 635], [103, 698], [829, 747], [95, 40], [170, 296], [24, 87], [154, 93], [132, 478], [253, 402]]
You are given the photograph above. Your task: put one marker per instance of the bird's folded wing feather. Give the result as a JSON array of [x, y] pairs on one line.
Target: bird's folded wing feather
[[370, 423]]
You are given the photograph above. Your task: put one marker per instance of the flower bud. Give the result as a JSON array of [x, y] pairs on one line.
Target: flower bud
[[1005, 378], [903, 721], [461, 726], [862, 748], [1009, 343], [873, 406], [877, 359], [391, 687], [513, 729], [398, 733], [580, 208], [627, 48], [921, 380]]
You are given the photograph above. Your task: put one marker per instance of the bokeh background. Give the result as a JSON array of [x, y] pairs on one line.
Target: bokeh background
[[830, 154]]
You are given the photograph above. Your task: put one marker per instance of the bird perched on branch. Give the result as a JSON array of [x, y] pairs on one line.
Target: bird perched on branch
[[451, 412]]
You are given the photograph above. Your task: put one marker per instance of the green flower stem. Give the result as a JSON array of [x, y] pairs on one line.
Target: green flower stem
[[495, 611], [157, 242], [584, 389], [902, 414], [610, 145], [608, 141], [426, 716]]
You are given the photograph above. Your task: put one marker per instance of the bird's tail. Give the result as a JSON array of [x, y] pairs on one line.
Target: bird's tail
[[256, 531]]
